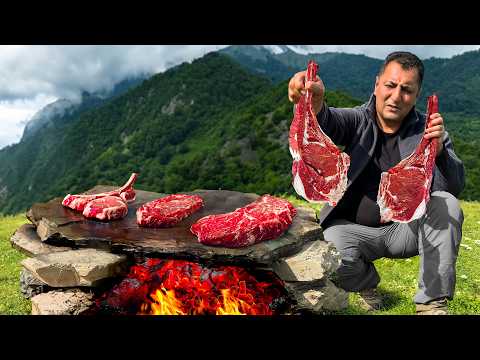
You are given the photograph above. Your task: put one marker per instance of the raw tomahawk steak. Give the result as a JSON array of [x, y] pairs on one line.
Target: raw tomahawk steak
[[168, 211], [266, 218], [319, 168], [106, 208], [78, 202], [404, 190]]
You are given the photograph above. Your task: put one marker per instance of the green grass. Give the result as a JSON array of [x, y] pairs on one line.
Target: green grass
[[399, 276], [11, 300]]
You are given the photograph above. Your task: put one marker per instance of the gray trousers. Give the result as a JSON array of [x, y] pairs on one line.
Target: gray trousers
[[435, 237]]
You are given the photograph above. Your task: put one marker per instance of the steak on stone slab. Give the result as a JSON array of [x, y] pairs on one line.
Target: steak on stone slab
[[106, 208], [319, 168], [168, 211], [404, 190], [266, 218], [78, 202]]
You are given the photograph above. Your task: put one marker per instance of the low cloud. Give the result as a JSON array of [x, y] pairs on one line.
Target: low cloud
[[15, 114], [65, 71], [33, 76]]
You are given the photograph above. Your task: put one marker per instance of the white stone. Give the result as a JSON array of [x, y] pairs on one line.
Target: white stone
[[86, 267], [314, 261], [69, 302]]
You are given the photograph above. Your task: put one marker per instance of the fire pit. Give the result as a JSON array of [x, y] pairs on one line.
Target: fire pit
[[180, 287], [82, 266]]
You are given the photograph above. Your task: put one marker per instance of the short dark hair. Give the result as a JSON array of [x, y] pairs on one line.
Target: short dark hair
[[407, 60]]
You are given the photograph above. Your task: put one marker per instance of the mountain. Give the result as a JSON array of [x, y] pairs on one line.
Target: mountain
[[208, 124], [66, 109], [19, 162], [456, 80], [56, 109], [261, 61], [137, 131], [212, 123]]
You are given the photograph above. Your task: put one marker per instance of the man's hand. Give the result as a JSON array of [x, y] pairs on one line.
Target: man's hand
[[297, 88], [436, 130]]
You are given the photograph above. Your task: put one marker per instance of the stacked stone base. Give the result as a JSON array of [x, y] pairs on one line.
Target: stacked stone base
[[62, 281]]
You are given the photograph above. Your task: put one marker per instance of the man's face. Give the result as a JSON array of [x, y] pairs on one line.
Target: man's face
[[396, 92]]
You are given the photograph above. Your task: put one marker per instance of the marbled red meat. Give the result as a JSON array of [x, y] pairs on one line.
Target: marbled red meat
[[319, 168], [404, 190], [78, 202], [106, 208], [168, 211], [266, 218]]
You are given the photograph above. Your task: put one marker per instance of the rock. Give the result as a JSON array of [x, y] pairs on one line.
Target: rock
[[314, 261], [317, 296], [86, 267], [305, 230], [30, 285], [46, 229], [306, 213], [26, 240], [69, 302]]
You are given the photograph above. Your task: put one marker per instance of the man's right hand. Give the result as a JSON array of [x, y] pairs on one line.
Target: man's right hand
[[297, 88]]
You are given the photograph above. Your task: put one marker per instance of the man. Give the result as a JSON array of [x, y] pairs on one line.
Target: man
[[376, 136]]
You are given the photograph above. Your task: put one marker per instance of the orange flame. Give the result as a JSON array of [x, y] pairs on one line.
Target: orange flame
[[165, 303], [187, 288], [231, 304]]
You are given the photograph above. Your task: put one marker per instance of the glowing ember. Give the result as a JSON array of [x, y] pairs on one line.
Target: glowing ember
[[179, 287]]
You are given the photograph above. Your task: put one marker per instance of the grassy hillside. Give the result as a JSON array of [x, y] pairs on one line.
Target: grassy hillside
[[139, 131], [245, 151], [399, 276], [209, 124]]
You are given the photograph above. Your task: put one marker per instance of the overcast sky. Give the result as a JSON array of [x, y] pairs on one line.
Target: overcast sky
[[34, 76]]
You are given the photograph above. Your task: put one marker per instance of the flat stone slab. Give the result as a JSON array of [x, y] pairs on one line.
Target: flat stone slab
[[27, 241], [86, 267], [316, 260], [59, 225], [68, 302]]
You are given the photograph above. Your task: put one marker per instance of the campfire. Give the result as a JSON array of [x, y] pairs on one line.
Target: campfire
[[180, 287], [76, 265]]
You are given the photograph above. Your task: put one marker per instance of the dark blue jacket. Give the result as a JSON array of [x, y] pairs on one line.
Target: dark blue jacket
[[356, 130]]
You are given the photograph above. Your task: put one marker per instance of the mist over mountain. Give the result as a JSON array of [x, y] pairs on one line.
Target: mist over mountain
[[65, 109]]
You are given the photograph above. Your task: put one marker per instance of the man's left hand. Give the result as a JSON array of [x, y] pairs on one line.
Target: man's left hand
[[436, 130]]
